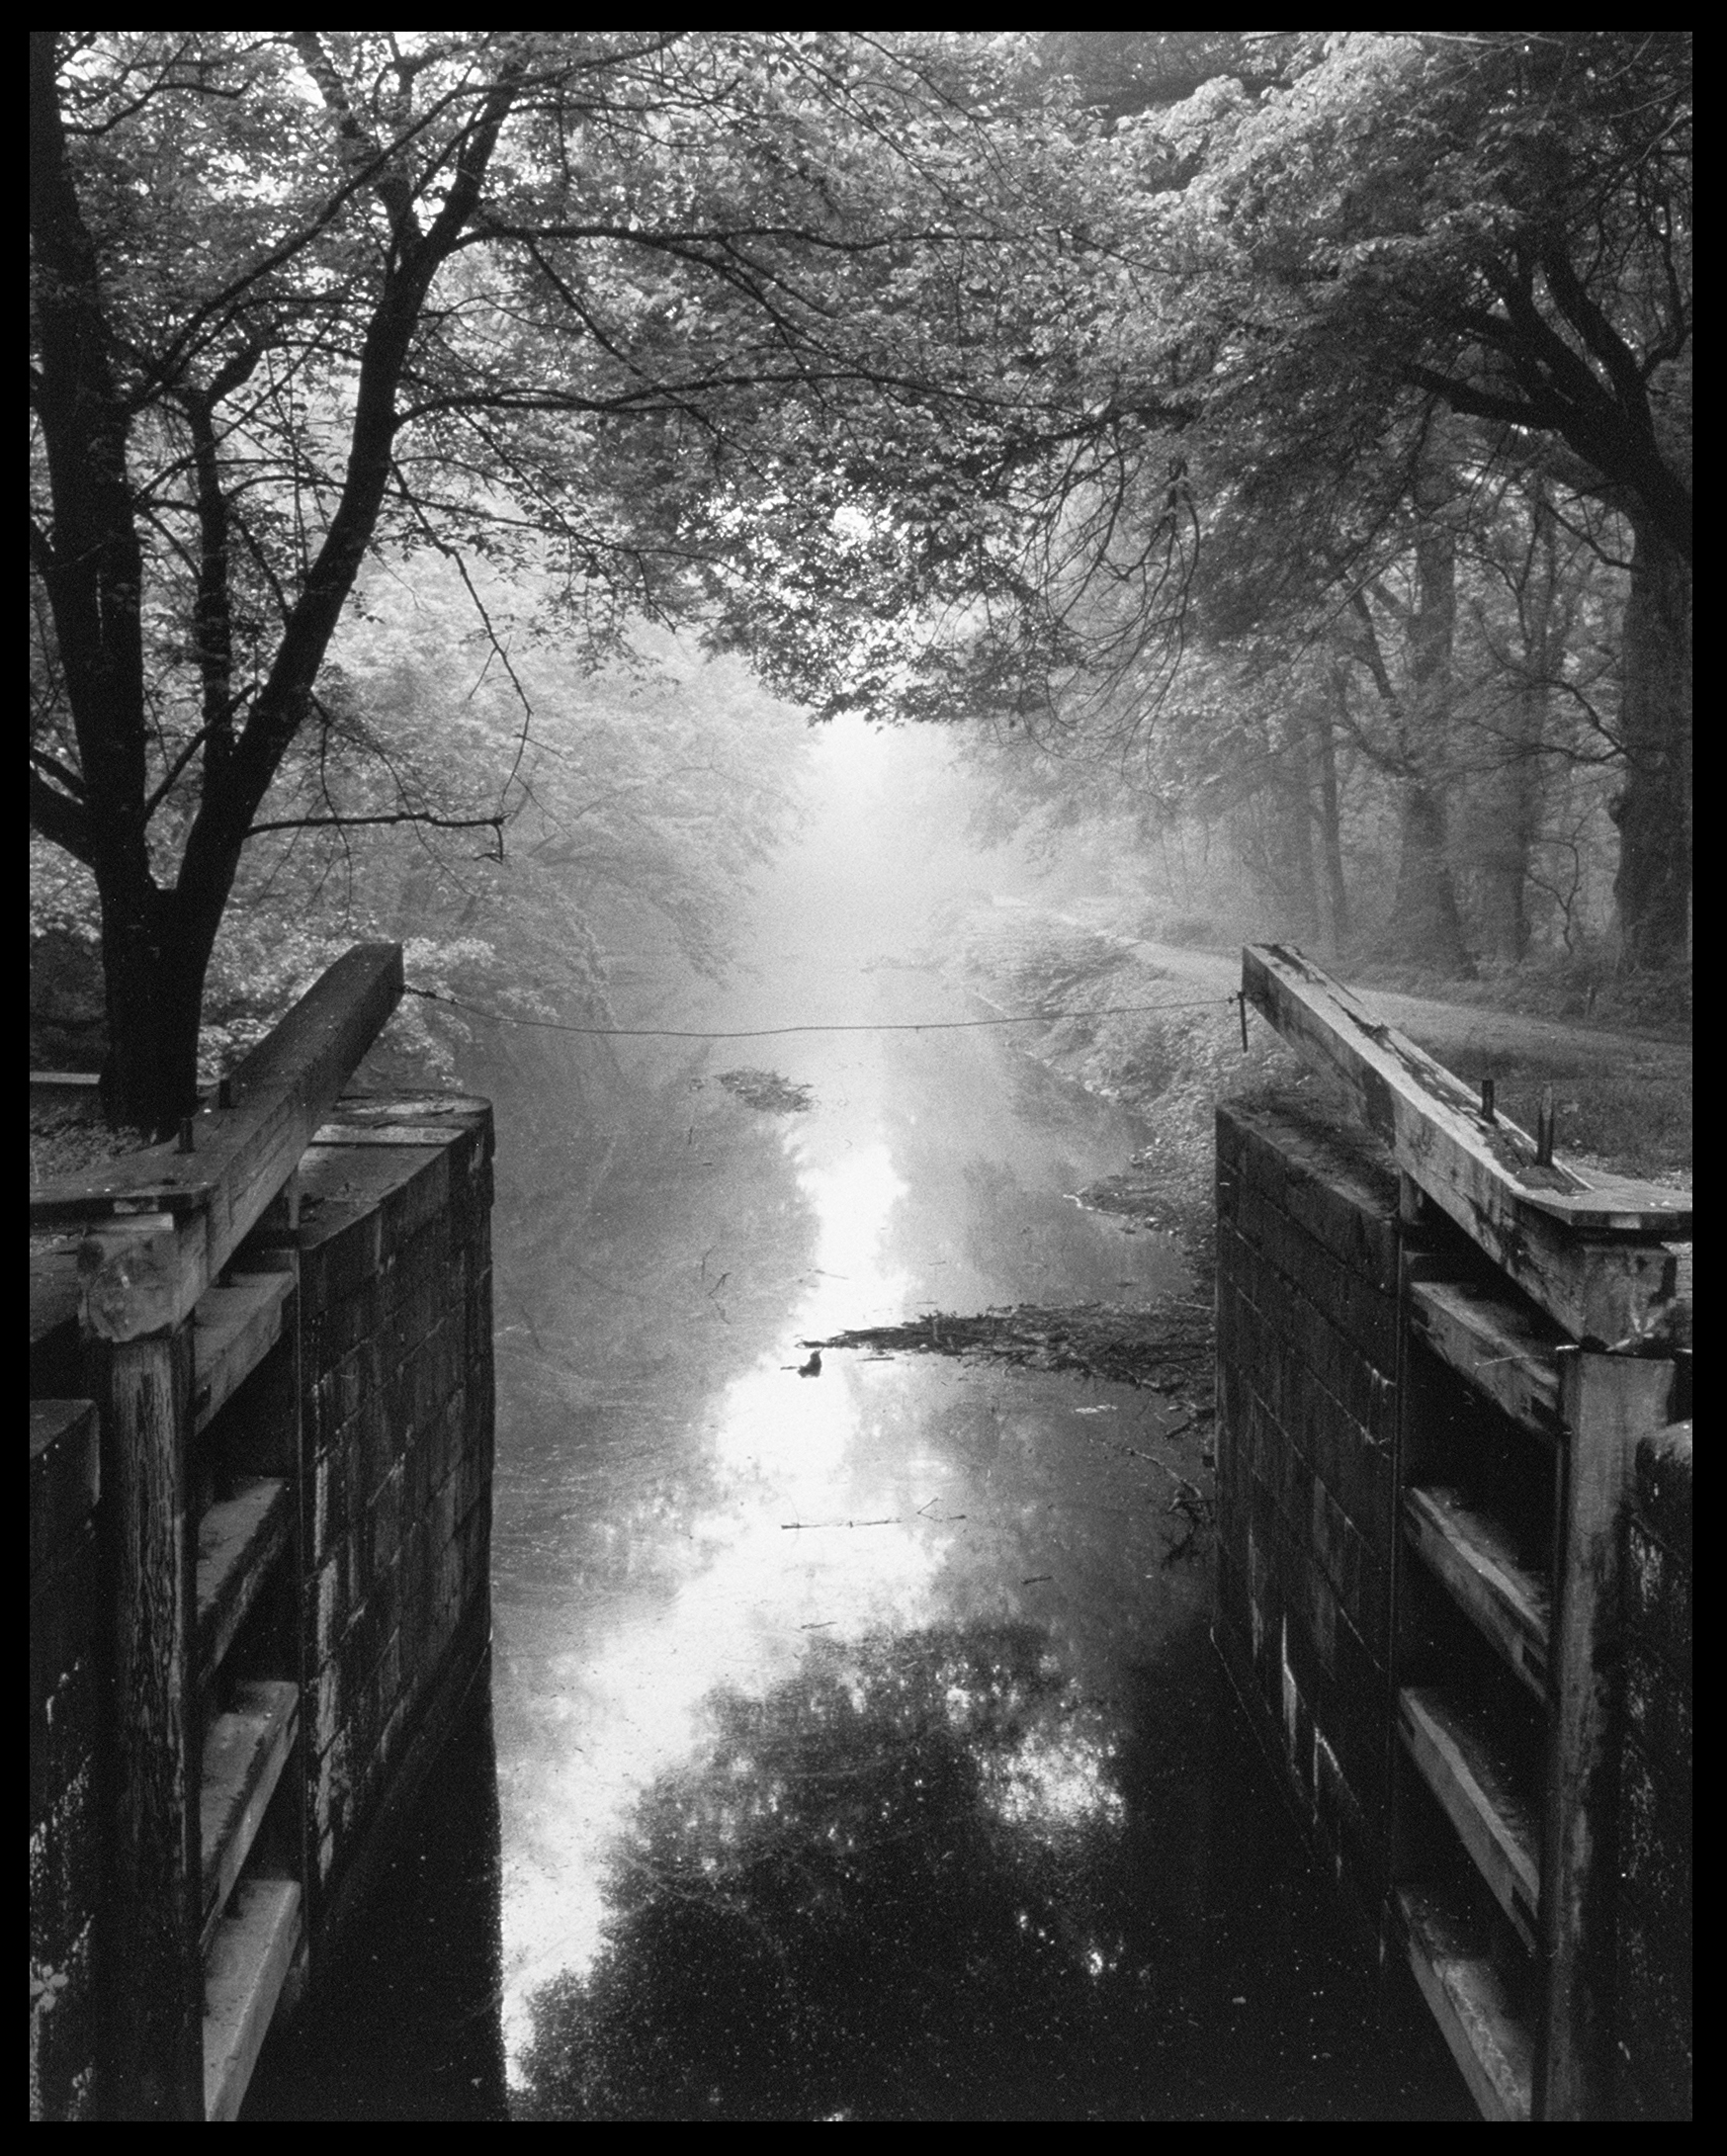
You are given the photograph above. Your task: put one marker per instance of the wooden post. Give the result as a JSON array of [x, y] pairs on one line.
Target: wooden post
[[155, 2062], [1604, 1256], [1607, 1403]]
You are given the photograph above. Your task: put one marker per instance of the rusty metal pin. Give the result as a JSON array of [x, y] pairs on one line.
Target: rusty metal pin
[[1487, 1093], [186, 1140], [1544, 1129]]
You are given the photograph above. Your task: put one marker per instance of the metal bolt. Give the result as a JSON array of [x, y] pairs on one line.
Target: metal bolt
[[1544, 1129]]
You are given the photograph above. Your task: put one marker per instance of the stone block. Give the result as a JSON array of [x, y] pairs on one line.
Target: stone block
[[66, 1608], [1335, 1185], [1654, 1948], [65, 1864], [65, 1476], [1664, 1487], [65, 2027], [341, 1252], [417, 1200], [1362, 1312], [1659, 1598], [1358, 1716], [1658, 1712], [66, 1729], [385, 1517]]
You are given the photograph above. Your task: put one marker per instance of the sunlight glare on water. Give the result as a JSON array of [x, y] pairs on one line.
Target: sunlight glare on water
[[768, 1561]]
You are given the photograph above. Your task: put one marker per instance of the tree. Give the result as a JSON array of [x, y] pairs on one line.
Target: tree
[[1496, 224], [639, 311], [885, 1829]]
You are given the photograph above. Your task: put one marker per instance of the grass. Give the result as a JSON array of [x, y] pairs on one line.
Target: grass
[[1622, 1091]]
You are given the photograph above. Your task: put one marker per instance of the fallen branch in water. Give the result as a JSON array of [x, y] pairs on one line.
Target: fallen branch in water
[[1165, 1349]]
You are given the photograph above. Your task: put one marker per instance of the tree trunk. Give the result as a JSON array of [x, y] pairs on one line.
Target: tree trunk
[[154, 959], [1653, 888], [1425, 925], [1333, 897], [1513, 812]]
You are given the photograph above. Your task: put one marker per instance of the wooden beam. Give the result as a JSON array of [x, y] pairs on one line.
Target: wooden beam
[[154, 2064], [244, 1754], [163, 1223], [1607, 1403], [238, 1540], [1498, 1349], [1455, 1753], [249, 1959], [1466, 1991], [234, 1329], [1474, 1560], [1595, 1252]]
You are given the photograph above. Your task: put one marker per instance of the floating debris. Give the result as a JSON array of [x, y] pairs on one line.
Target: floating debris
[[1166, 1349], [768, 1091]]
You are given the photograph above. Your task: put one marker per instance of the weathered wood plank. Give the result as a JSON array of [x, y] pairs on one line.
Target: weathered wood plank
[[1471, 2003], [1591, 1250], [1498, 1349], [244, 1753], [65, 1477], [1476, 1562], [1607, 1403], [250, 1959], [53, 1285], [238, 1540], [1477, 1789], [398, 1133], [234, 1329], [143, 1273], [142, 1389]]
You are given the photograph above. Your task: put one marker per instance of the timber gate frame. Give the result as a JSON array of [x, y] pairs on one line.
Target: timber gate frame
[[204, 1902], [1572, 1341]]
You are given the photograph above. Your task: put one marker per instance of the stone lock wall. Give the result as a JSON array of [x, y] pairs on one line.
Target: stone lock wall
[[396, 1432], [1306, 1307], [1653, 1930], [389, 1355], [67, 1704]]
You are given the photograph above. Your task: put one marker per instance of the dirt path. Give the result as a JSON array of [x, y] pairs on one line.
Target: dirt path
[[1464, 1036]]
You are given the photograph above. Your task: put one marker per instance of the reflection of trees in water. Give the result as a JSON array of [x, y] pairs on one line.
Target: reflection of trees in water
[[867, 1900], [680, 1185], [653, 1281]]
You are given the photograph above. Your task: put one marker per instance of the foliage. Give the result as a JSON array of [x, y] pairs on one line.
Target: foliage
[[942, 374], [518, 820], [641, 314], [894, 1820], [1429, 300]]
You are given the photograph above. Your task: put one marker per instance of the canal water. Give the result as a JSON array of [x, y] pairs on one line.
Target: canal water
[[860, 1752]]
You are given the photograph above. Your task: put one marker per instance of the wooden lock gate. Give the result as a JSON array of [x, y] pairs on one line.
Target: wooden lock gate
[[1545, 1328], [184, 1299]]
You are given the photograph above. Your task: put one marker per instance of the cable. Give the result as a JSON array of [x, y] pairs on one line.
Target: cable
[[775, 1032]]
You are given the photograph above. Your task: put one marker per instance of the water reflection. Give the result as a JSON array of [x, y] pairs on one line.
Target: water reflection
[[402, 2025], [882, 1850], [854, 1728], [734, 1591]]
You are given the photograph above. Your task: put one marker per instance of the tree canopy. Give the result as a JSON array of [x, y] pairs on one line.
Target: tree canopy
[[940, 374], [1429, 299], [583, 302]]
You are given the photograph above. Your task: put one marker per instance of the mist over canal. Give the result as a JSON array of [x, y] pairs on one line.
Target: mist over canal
[[856, 1731]]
